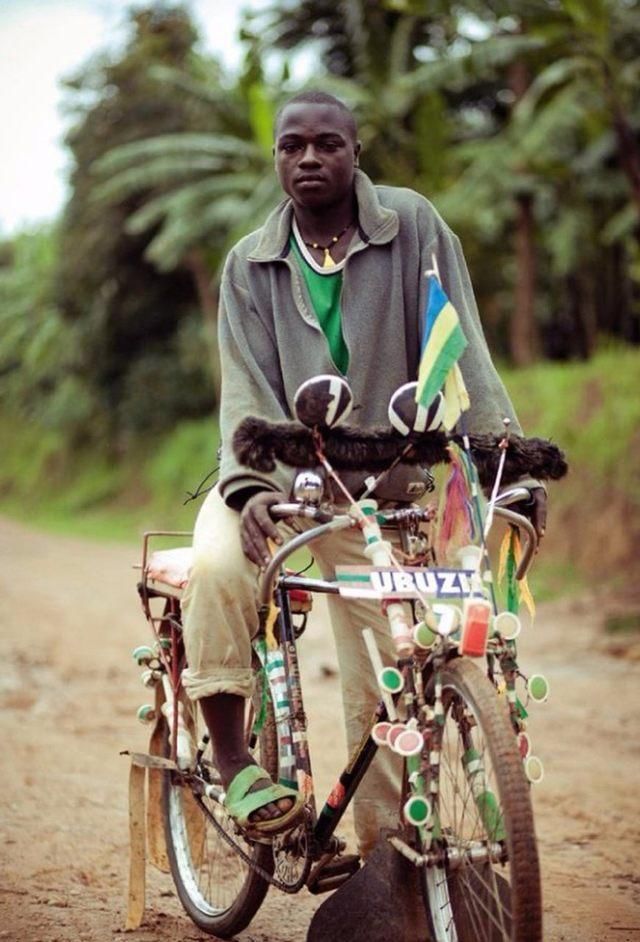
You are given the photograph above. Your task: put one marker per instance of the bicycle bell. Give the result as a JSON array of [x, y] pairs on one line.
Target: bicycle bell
[[308, 487]]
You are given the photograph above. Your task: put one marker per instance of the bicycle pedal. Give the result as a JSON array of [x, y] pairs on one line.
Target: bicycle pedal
[[333, 874]]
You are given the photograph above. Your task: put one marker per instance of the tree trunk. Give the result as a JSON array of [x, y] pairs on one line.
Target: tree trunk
[[206, 295], [208, 299], [582, 311], [523, 333], [628, 149]]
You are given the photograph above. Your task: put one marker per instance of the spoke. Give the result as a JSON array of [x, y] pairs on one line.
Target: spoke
[[474, 914], [453, 773], [472, 894], [465, 824]]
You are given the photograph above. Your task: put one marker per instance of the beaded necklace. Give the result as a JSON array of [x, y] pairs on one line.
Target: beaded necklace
[[328, 261]]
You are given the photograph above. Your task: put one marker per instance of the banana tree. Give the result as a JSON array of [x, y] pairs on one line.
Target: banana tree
[[197, 193]]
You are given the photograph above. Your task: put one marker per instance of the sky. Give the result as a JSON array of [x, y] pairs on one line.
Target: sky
[[42, 41]]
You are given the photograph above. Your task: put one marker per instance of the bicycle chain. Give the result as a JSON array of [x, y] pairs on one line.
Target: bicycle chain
[[264, 874]]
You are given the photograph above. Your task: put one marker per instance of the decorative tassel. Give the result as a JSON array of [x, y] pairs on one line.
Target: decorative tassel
[[456, 520], [269, 633], [272, 614], [510, 556], [263, 686], [456, 397]]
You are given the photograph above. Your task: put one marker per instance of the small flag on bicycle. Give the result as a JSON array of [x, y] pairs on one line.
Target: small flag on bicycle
[[442, 346]]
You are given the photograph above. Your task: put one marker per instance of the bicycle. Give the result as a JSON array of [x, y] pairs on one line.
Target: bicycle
[[465, 821]]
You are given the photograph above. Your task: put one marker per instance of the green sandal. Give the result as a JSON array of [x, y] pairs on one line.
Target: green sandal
[[240, 802]]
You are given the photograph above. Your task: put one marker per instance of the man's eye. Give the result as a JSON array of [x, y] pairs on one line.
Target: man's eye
[[289, 148], [329, 146]]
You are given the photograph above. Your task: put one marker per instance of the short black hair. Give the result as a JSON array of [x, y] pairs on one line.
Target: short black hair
[[314, 97]]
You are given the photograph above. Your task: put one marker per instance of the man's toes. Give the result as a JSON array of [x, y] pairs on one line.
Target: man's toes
[[272, 810]]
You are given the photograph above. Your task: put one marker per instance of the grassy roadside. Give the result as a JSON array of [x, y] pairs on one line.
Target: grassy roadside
[[592, 410], [87, 494]]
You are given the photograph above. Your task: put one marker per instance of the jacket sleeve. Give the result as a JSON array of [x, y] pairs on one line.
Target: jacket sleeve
[[251, 384]]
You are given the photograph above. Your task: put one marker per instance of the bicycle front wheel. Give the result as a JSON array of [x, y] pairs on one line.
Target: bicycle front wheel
[[486, 887], [219, 891]]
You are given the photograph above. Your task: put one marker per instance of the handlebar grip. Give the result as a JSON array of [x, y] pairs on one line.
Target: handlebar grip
[[293, 509], [278, 511], [512, 496]]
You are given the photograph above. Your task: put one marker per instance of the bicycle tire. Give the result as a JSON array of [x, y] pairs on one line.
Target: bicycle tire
[[488, 901], [217, 889]]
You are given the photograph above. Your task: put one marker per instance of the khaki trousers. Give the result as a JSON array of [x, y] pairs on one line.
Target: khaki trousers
[[220, 618]]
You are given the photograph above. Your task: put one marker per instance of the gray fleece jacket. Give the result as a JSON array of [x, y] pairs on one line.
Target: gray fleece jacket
[[270, 340]]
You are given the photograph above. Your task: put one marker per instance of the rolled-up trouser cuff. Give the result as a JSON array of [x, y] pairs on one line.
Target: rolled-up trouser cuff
[[237, 680]]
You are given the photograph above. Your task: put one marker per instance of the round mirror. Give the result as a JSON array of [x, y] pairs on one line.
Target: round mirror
[[406, 415], [324, 401]]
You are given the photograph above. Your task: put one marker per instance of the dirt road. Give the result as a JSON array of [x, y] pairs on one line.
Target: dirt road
[[69, 692]]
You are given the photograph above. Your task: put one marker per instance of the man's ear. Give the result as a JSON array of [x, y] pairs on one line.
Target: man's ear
[[356, 153]]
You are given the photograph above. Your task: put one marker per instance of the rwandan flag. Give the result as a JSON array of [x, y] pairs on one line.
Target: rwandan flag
[[442, 346]]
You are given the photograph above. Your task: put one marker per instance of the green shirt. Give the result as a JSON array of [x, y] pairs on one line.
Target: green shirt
[[325, 291]]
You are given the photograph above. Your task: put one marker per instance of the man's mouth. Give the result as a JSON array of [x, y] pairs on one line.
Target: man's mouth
[[309, 178]]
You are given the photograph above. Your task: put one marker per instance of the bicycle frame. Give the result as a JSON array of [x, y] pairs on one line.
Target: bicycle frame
[[337, 802]]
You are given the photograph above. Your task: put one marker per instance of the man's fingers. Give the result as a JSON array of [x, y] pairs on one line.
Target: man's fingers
[[253, 543], [256, 527], [265, 523]]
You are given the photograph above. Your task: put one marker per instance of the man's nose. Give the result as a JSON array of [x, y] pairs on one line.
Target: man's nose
[[309, 156]]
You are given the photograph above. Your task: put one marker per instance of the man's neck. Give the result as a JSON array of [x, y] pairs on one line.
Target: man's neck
[[321, 224]]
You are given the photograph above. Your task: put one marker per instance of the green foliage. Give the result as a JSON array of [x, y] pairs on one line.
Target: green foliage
[[39, 361], [592, 409], [183, 460], [127, 315], [197, 188], [167, 383], [88, 493]]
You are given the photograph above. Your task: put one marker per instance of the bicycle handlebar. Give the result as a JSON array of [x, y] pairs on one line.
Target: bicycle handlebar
[[329, 523], [342, 522]]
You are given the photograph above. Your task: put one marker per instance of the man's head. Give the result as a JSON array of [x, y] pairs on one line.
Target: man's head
[[316, 149]]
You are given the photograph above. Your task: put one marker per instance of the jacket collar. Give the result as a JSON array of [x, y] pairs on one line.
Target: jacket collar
[[378, 224]]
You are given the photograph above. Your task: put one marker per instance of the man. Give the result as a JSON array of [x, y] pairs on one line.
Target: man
[[333, 282]]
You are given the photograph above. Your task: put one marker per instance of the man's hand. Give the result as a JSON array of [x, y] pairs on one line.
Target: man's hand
[[535, 509], [256, 526]]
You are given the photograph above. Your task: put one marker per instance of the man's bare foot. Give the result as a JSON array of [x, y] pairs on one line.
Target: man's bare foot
[[224, 714], [268, 812]]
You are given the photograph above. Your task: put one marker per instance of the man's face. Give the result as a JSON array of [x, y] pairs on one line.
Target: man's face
[[315, 154]]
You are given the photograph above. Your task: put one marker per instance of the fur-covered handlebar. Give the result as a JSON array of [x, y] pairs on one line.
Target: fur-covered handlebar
[[258, 444]]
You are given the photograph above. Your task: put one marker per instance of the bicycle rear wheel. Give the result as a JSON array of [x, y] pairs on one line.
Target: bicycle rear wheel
[[487, 889], [219, 891]]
